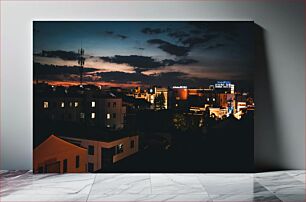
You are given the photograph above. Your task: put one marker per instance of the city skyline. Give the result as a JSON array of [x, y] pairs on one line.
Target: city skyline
[[143, 96], [130, 54]]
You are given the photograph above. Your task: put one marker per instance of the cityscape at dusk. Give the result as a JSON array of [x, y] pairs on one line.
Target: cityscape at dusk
[[143, 96]]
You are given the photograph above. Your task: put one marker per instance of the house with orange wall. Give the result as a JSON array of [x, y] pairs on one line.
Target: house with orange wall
[[56, 155]]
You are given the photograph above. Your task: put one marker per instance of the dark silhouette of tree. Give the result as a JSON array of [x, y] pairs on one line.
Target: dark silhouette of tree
[[180, 122]]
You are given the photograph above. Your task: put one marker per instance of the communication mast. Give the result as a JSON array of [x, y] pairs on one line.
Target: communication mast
[[81, 62]]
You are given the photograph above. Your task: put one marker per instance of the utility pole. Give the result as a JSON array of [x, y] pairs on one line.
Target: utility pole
[[81, 62]]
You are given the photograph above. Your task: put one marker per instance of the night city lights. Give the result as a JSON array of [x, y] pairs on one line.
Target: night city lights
[[143, 96]]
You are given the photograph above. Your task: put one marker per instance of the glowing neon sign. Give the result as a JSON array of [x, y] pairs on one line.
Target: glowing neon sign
[[223, 84]]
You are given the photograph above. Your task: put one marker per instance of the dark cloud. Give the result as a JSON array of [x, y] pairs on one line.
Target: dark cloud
[[43, 69], [180, 35], [217, 45], [226, 29], [148, 30], [71, 73], [65, 55], [194, 31], [114, 35], [122, 77], [194, 41], [142, 63], [169, 62], [238, 35], [121, 36], [164, 79], [169, 47], [139, 62]]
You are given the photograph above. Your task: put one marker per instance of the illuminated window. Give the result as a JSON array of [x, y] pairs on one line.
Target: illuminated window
[[108, 116], [70, 104], [62, 104], [207, 99], [93, 104], [119, 149], [82, 115], [46, 105], [108, 126], [214, 99], [93, 115], [176, 105], [76, 104]]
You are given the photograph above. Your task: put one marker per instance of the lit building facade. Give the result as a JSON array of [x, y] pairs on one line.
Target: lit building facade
[[150, 95], [220, 98], [56, 155], [104, 153], [96, 109]]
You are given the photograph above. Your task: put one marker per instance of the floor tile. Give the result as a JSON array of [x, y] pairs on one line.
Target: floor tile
[[298, 175], [265, 198], [150, 198], [231, 198], [283, 185], [42, 198], [236, 184], [291, 197], [280, 186], [49, 184], [121, 184], [176, 184]]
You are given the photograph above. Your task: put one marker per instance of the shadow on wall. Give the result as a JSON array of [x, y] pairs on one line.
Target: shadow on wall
[[267, 151]]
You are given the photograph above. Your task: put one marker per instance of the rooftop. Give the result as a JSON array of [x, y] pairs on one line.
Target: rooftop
[[93, 133]]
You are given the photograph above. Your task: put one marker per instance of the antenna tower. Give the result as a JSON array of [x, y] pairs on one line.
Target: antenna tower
[[81, 62]]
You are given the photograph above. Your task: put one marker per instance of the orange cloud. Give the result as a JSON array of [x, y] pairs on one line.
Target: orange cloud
[[94, 62], [96, 83]]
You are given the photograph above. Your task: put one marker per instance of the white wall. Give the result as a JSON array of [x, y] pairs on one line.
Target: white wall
[[280, 87]]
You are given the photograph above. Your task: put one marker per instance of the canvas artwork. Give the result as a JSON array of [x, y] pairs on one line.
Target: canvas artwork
[[143, 96]]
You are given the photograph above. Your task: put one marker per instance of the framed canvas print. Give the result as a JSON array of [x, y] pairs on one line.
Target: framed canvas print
[[143, 96]]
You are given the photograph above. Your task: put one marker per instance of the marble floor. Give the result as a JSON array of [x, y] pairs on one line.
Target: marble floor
[[269, 186]]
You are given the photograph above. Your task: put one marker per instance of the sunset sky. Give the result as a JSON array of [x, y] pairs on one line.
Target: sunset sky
[[144, 53]]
